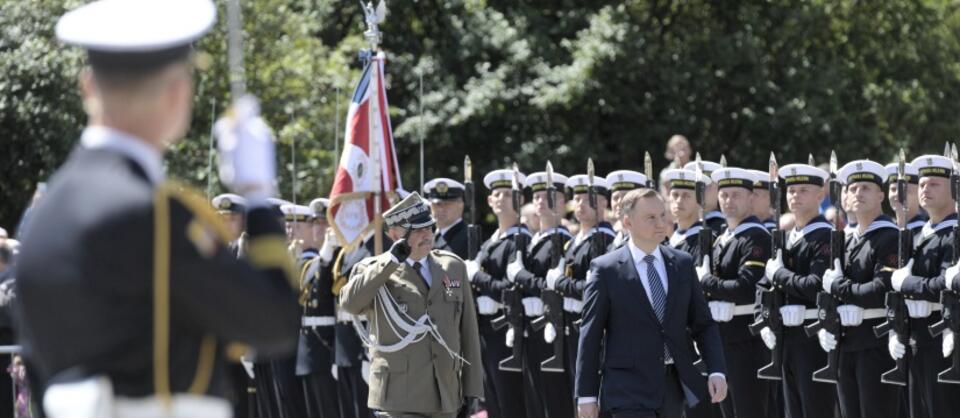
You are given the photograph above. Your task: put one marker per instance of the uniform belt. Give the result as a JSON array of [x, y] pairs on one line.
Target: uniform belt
[[744, 310], [343, 316], [874, 313], [319, 321], [807, 314], [572, 305]]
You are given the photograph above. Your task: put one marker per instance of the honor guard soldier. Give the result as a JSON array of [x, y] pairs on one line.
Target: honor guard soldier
[[488, 275], [152, 293], [547, 391], [713, 216], [860, 286], [621, 182], [916, 218], [685, 211], [761, 200], [425, 349], [729, 283], [315, 351], [921, 282], [231, 208], [797, 272], [593, 239], [446, 205]]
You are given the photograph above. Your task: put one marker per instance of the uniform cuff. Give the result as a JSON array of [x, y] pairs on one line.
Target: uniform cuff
[[720, 375], [586, 400]]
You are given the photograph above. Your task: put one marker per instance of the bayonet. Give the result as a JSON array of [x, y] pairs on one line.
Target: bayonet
[[648, 169]]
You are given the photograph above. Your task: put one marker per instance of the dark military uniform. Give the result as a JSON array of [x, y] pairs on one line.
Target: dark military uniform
[[503, 389], [806, 255], [547, 394], [453, 239], [931, 257], [686, 240], [287, 387], [620, 240], [315, 351], [119, 229], [738, 261], [715, 221], [870, 258]]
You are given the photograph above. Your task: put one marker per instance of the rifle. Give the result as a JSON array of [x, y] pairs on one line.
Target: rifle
[[950, 299], [512, 297], [473, 230], [705, 235], [598, 245], [552, 300], [898, 318], [772, 298], [827, 315]]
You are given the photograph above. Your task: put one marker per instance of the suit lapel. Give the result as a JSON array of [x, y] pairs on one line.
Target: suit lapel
[[628, 270], [436, 275]]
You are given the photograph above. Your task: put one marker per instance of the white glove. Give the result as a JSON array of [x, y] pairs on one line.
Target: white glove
[[365, 371], [850, 315], [896, 348], [901, 274], [247, 152], [555, 274], [329, 243], [550, 334], [509, 340], [515, 267], [774, 265], [472, 269], [721, 311], [828, 341], [918, 308], [832, 275], [704, 268], [951, 274], [333, 371], [486, 305], [947, 343], [768, 337]]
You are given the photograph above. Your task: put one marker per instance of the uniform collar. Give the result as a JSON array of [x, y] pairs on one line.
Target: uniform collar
[[102, 137], [638, 254], [444, 230]]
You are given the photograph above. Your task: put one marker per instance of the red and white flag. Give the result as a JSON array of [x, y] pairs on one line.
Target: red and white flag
[[369, 161]]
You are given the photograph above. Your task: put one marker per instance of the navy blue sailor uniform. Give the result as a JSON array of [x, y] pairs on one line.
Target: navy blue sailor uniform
[[686, 240], [452, 239], [315, 351], [715, 221]]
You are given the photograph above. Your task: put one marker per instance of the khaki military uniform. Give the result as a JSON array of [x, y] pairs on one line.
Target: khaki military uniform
[[422, 379]]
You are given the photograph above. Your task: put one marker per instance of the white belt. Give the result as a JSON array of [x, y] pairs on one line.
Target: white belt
[[807, 314], [343, 317], [318, 321], [744, 310], [532, 307], [572, 305], [874, 313]]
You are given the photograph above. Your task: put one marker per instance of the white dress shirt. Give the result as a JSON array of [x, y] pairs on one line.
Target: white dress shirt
[[424, 270]]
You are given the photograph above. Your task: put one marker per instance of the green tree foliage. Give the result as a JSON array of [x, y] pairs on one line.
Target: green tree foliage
[[529, 81]]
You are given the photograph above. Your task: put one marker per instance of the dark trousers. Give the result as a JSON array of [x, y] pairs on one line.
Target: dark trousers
[[268, 406], [242, 391], [748, 396], [288, 388], [673, 400], [859, 390], [320, 395], [928, 398], [507, 386], [802, 397], [352, 393], [551, 390]]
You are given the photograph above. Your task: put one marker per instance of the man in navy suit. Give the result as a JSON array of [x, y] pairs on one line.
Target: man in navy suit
[[643, 310]]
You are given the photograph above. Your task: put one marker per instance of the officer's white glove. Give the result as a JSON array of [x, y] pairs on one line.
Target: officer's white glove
[[895, 347], [901, 274], [515, 267], [832, 275], [768, 337], [774, 265], [365, 371], [329, 244], [247, 152], [555, 274], [333, 371], [509, 340], [947, 343], [550, 334], [828, 341], [472, 269], [951, 274], [704, 268]]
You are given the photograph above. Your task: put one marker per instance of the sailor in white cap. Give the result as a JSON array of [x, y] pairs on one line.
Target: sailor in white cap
[[860, 285], [446, 203], [621, 182], [729, 282], [761, 199], [685, 210], [713, 216], [921, 282], [153, 293], [915, 217], [232, 208]]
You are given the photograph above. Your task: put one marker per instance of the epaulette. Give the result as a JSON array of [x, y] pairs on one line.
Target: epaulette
[[198, 206]]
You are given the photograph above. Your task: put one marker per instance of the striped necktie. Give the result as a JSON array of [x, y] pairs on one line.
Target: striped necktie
[[657, 295]]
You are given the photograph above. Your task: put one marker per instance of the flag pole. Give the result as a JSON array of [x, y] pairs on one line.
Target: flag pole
[[420, 100], [374, 16]]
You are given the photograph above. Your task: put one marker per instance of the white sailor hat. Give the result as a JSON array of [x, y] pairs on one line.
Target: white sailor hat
[[862, 170], [733, 177], [909, 171], [538, 181], [136, 35], [761, 180], [932, 165], [229, 202], [626, 180], [411, 213], [443, 188], [277, 202], [3, 233], [497, 179], [580, 184], [708, 167], [797, 174], [297, 213], [683, 179], [319, 207]]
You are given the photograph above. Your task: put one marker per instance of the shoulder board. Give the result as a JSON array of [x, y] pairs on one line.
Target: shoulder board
[[197, 205], [446, 253]]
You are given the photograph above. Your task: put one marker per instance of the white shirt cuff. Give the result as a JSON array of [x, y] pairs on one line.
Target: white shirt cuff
[[721, 375], [586, 400]]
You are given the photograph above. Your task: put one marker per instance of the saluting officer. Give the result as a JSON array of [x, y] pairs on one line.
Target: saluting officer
[[145, 290], [915, 218], [712, 216], [861, 284], [729, 282], [446, 204], [622, 182], [797, 271], [921, 282]]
